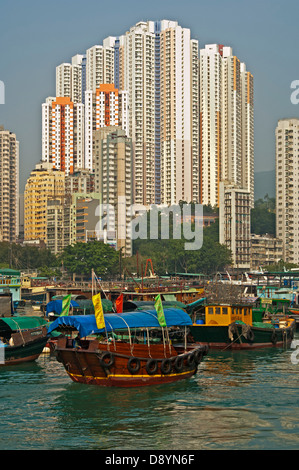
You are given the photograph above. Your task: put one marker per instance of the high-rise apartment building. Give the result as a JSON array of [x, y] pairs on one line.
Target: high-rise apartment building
[[226, 123], [114, 181], [287, 184], [179, 114], [63, 134], [149, 81], [234, 223], [101, 109], [43, 183], [247, 139], [71, 79], [189, 114], [64, 80], [137, 75], [9, 186], [158, 68], [100, 64], [106, 98]]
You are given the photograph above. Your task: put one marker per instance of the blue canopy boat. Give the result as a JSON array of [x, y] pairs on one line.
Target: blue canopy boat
[[146, 354]]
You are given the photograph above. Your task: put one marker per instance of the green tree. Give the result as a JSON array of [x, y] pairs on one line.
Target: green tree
[[17, 256], [170, 256], [263, 216], [83, 257]]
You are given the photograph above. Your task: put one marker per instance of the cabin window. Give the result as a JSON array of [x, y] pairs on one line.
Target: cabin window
[[239, 311], [211, 311], [218, 310], [224, 310]]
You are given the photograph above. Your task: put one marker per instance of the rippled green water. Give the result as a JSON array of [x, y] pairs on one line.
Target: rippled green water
[[237, 400]]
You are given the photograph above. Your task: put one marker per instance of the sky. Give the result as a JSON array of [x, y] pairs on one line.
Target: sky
[[36, 36]]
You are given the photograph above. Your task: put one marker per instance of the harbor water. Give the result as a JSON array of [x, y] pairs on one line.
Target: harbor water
[[238, 400]]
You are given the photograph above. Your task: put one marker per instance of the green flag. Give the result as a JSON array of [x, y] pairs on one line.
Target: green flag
[[66, 302], [160, 311]]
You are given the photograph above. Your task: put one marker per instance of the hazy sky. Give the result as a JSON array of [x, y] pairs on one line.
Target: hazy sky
[[36, 36]]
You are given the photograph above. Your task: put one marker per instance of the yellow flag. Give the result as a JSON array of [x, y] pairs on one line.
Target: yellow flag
[[98, 311]]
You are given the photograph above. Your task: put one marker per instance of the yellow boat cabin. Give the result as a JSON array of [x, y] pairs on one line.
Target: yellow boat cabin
[[227, 314]]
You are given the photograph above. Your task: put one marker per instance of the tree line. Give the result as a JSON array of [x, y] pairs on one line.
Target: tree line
[[167, 256]]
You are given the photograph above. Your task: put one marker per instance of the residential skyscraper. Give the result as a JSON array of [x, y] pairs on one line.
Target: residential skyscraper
[[43, 183], [106, 106], [100, 64], [226, 122], [9, 186], [158, 68], [179, 114], [189, 113], [71, 79], [234, 223], [287, 183], [114, 181], [63, 134]]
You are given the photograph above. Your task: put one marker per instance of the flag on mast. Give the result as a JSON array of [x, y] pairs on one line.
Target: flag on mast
[[98, 311], [160, 311], [66, 302], [119, 303]]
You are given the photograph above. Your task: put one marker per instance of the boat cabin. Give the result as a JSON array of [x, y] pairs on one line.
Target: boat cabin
[[227, 314]]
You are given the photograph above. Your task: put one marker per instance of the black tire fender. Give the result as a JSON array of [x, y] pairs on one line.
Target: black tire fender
[[107, 359], [191, 359], [133, 365], [166, 366], [151, 366], [198, 355], [178, 363]]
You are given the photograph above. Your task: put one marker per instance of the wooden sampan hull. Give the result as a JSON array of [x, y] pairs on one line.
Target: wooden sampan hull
[[123, 367]]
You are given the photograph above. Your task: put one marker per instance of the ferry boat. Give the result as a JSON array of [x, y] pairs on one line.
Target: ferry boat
[[222, 326], [133, 350]]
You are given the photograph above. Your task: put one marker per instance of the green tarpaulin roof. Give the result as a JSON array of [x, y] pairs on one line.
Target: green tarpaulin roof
[[23, 323]]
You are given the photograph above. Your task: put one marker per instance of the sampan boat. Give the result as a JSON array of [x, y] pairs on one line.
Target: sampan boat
[[232, 327], [133, 350], [22, 339]]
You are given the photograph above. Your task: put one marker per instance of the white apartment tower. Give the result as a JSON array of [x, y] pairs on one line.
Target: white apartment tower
[[226, 122], [9, 186], [139, 81], [100, 64], [287, 184], [158, 69], [247, 132], [70, 79], [179, 92]]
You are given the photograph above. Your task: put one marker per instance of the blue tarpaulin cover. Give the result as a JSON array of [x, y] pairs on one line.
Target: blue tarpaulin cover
[[56, 306], [86, 324]]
